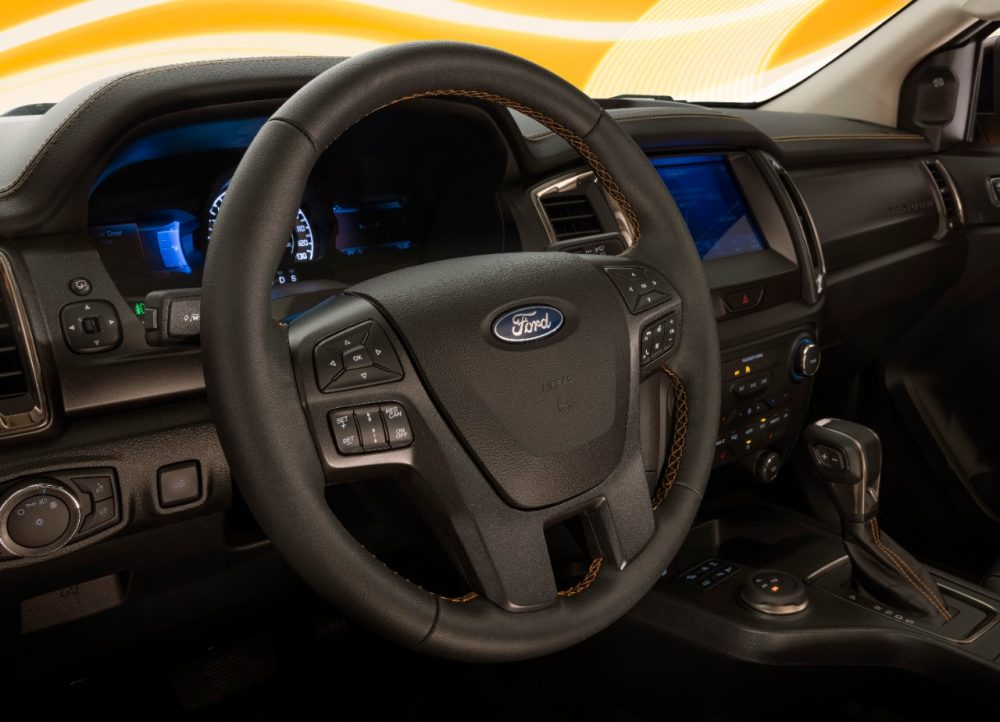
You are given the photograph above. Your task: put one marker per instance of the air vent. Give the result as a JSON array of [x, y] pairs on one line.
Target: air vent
[[571, 216], [23, 408], [13, 381], [950, 203]]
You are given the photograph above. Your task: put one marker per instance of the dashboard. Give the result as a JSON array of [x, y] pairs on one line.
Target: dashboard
[[118, 197], [374, 203]]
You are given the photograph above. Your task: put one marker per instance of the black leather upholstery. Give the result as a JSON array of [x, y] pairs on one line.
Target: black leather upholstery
[[887, 572]]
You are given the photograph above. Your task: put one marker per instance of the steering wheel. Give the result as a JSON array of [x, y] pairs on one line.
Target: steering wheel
[[503, 388]]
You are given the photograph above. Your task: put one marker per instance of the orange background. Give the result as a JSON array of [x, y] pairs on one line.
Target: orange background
[[696, 49]]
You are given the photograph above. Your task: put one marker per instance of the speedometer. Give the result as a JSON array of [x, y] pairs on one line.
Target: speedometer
[[301, 244]]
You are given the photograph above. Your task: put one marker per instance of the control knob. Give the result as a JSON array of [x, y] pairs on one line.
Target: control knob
[[805, 359], [38, 518]]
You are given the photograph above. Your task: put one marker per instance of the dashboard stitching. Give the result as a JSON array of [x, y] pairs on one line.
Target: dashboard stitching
[[99, 93], [847, 136], [652, 116], [575, 140]]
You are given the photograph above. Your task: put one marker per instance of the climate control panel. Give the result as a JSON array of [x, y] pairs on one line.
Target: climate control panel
[[42, 514], [765, 391]]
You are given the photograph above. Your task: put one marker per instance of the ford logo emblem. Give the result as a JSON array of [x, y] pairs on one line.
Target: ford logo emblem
[[529, 323]]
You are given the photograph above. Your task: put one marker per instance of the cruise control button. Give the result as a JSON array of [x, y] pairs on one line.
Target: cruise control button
[[345, 432], [397, 426], [357, 358], [370, 428], [381, 351]]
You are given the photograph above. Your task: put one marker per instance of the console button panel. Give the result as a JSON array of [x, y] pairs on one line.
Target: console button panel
[[761, 402]]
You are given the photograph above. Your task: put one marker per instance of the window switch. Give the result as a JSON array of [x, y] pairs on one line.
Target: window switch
[[179, 484]]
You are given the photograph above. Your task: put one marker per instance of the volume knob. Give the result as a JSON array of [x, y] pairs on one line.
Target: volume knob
[[805, 359]]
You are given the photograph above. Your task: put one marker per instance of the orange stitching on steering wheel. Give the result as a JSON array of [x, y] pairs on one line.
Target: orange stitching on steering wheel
[[578, 143]]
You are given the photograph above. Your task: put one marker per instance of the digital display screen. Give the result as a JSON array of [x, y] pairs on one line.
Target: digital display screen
[[712, 204], [387, 224]]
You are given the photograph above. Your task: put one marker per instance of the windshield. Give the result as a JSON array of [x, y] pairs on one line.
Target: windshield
[[700, 50]]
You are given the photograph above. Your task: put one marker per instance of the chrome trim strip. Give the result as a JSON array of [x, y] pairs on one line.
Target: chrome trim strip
[[572, 182], [38, 418]]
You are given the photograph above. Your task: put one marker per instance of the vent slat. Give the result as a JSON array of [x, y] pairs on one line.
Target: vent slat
[[571, 216], [946, 194], [13, 379]]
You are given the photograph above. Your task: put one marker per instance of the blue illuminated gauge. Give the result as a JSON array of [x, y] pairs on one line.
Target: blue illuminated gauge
[[301, 244]]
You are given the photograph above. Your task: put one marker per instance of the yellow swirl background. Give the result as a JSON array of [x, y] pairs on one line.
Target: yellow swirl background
[[728, 50]]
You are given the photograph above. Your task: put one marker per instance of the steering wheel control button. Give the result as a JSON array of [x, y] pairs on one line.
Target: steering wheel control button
[[360, 356], [381, 352], [371, 429], [641, 288], [397, 426], [38, 521], [357, 358], [345, 432], [80, 286], [178, 484], [90, 326], [657, 338], [774, 592], [744, 298], [709, 573]]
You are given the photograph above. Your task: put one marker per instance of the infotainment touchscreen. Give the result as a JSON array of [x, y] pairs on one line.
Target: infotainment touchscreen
[[706, 192]]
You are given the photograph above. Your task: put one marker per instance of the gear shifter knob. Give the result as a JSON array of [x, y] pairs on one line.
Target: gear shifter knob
[[848, 457]]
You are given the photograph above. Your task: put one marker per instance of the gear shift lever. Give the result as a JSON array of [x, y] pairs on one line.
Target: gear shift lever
[[848, 457]]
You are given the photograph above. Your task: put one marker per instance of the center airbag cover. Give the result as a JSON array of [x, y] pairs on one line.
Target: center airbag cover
[[546, 419]]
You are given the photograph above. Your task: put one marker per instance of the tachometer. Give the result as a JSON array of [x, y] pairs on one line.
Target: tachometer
[[301, 243]]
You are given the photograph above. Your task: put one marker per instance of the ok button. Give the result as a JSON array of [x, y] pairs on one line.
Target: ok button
[[357, 358]]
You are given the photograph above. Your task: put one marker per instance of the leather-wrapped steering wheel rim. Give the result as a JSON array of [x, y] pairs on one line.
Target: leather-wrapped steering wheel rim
[[256, 396]]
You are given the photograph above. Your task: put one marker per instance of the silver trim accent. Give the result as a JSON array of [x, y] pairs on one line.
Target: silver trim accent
[[865, 487], [75, 519], [38, 417], [807, 225], [965, 594], [800, 361], [571, 182], [944, 225], [777, 610]]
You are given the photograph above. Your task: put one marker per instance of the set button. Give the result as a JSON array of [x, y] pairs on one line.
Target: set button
[[356, 357], [370, 428]]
